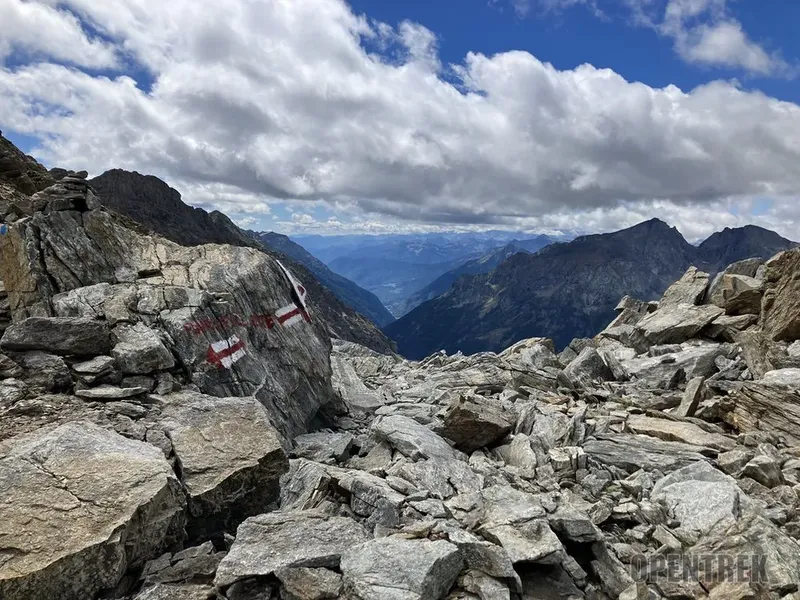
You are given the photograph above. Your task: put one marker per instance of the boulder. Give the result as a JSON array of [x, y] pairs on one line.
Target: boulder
[[58, 335], [700, 497], [323, 446], [780, 317], [726, 328], [588, 367], [737, 294], [44, 372], [749, 267], [694, 359], [532, 354], [140, 351], [118, 499], [772, 407], [473, 422], [677, 323], [689, 289], [765, 470], [633, 452], [198, 563], [400, 569], [412, 439], [304, 583], [268, 543], [230, 458], [680, 431], [771, 558], [526, 542]]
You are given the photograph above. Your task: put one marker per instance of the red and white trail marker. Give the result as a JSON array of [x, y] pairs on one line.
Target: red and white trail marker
[[226, 352], [298, 310]]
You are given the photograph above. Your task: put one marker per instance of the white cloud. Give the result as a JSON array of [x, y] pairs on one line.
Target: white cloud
[[705, 33], [40, 29], [247, 222], [275, 101], [726, 44], [303, 219]]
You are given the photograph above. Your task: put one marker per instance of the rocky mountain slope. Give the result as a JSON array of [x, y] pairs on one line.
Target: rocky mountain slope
[[732, 245], [483, 264], [151, 202], [565, 291], [366, 303], [141, 458], [396, 267], [20, 173]]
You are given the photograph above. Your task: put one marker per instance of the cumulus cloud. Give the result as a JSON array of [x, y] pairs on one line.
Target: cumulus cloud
[[41, 29], [705, 33], [256, 102]]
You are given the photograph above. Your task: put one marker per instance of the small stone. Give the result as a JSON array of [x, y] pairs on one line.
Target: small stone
[[110, 392], [695, 391]]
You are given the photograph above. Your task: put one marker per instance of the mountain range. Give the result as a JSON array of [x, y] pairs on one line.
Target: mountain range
[[568, 290], [399, 269], [475, 266]]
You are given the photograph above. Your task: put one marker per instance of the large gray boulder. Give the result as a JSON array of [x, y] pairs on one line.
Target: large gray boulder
[[57, 335], [79, 506], [230, 458], [412, 439], [770, 405], [689, 289], [400, 569], [472, 422], [270, 542], [680, 431], [633, 452], [677, 323], [701, 497], [588, 367], [737, 294]]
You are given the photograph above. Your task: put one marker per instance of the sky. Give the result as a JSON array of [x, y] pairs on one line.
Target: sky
[[376, 116]]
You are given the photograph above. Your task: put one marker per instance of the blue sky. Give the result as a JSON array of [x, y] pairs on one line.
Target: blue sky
[[378, 116], [570, 36]]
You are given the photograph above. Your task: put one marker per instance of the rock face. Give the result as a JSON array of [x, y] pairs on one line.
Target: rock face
[[781, 309], [270, 542], [159, 208], [79, 506], [69, 283]]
